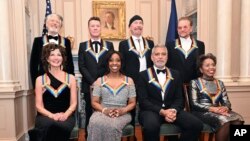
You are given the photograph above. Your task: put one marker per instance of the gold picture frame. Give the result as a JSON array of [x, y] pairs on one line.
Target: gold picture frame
[[112, 15]]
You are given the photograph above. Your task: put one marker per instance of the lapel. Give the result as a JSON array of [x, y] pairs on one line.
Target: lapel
[[132, 48], [61, 40], [152, 79], [179, 48], [96, 56]]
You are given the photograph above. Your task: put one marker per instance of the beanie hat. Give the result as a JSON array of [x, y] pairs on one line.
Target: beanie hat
[[134, 18]]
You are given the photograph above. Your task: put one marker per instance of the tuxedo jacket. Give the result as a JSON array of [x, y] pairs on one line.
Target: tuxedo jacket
[[131, 56], [36, 66], [185, 62], [149, 91], [92, 65]]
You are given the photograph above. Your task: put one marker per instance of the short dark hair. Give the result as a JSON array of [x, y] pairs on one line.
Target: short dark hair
[[94, 19], [108, 57], [186, 18], [46, 53], [202, 58]]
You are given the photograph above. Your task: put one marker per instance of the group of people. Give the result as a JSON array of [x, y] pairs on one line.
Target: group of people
[[114, 81]]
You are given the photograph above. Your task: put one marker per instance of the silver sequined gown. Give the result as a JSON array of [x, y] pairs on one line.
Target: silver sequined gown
[[205, 93], [102, 127]]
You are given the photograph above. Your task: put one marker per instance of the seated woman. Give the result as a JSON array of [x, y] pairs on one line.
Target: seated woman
[[209, 99], [56, 97], [112, 99]]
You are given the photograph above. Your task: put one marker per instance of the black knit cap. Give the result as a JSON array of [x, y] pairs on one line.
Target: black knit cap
[[134, 18]]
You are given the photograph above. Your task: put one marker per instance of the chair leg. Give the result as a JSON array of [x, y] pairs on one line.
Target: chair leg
[[165, 138], [202, 135], [142, 133], [124, 139], [210, 136], [131, 138]]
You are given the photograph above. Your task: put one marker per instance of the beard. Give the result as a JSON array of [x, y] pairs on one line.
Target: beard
[[53, 30]]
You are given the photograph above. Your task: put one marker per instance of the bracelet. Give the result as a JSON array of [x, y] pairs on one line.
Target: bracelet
[[104, 109]]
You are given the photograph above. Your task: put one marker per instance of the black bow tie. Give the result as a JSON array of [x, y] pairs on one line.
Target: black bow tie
[[163, 71], [53, 37]]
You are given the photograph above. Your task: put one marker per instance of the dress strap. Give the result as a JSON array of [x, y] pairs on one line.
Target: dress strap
[[44, 79], [67, 77], [102, 80], [126, 79]]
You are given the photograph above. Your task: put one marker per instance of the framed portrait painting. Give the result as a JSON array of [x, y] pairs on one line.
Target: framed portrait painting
[[112, 15]]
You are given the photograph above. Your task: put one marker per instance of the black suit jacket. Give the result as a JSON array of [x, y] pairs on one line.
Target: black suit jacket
[[36, 66], [185, 63], [149, 91], [88, 65], [131, 58]]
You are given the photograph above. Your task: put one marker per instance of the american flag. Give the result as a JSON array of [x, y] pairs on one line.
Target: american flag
[[48, 11]]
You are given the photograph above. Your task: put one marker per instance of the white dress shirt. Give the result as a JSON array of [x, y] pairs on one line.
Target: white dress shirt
[[53, 40], [161, 78], [140, 48], [186, 43]]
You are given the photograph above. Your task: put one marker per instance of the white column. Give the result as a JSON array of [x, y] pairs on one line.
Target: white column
[[245, 42], [224, 31], [5, 52]]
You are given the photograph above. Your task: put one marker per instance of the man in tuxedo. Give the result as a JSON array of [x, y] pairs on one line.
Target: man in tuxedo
[[53, 25], [91, 60], [184, 51], [160, 99], [136, 50]]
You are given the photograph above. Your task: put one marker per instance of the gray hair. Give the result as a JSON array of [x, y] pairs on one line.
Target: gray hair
[[54, 14], [159, 46]]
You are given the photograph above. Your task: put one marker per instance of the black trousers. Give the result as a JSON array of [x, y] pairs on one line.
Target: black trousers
[[189, 124], [88, 108]]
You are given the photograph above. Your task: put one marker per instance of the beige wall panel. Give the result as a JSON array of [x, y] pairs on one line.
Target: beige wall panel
[[69, 8], [69, 18], [146, 14], [2, 117], [164, 14], [19, 116], [31, 109], [206, 10], [235, 39], [240, 104], [7, 119], [148, 10]]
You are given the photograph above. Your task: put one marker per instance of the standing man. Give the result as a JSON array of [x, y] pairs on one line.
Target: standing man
[[136, 50], [160, 99], [54, 23], [91, 60], [184, 51]]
